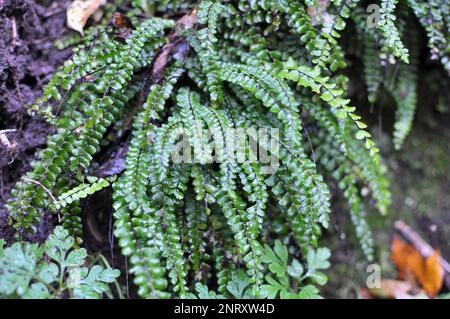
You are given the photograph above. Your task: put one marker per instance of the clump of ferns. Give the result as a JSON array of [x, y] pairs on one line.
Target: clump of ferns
[[390, 53], [223, 65]]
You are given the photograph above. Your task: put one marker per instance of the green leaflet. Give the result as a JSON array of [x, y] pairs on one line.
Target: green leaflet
[[282, 273], [327, 91]]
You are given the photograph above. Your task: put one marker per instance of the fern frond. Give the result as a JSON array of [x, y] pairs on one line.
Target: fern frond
[[307, 208], [188, 102], [166, 196], [72, 221], [320, 47], [372, 68], [358, 215], [143, 253], [234, 208], [341, 170], [369, 53], [371, 174], [208, 14]]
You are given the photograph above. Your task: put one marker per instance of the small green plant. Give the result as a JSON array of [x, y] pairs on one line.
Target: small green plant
[[52, 270]]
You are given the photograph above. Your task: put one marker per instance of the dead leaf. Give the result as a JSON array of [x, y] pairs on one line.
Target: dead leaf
[[186, 22], [404, 255], [113, 167], [412, 265], [319, 14], [393, 289], [120, 20], [79, 12]]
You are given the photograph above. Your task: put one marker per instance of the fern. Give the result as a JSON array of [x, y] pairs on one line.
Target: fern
[[369, 53], [328, 92], [382, 72], [82, 191], [433, 15], [390, 32], [221, 217]]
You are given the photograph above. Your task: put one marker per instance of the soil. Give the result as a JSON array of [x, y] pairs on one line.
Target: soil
[[420, 179], [27, 61]]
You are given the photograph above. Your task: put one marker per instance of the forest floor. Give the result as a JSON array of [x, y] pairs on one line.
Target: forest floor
[[419, 172]]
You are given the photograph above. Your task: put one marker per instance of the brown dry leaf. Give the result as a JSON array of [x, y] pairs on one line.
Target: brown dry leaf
[[392, 289], [412, 265], [319, 14], [79, 12], [404, 255]]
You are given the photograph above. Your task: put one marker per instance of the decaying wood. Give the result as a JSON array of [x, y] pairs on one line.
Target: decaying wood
[[4, 139]]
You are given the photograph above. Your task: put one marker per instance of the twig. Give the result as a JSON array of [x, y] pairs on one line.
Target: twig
[[421, 245], [15, 35]]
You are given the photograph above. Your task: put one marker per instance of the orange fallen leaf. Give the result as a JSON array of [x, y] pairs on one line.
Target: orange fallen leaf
[[79, 12], [412, 265], [121, 21]]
